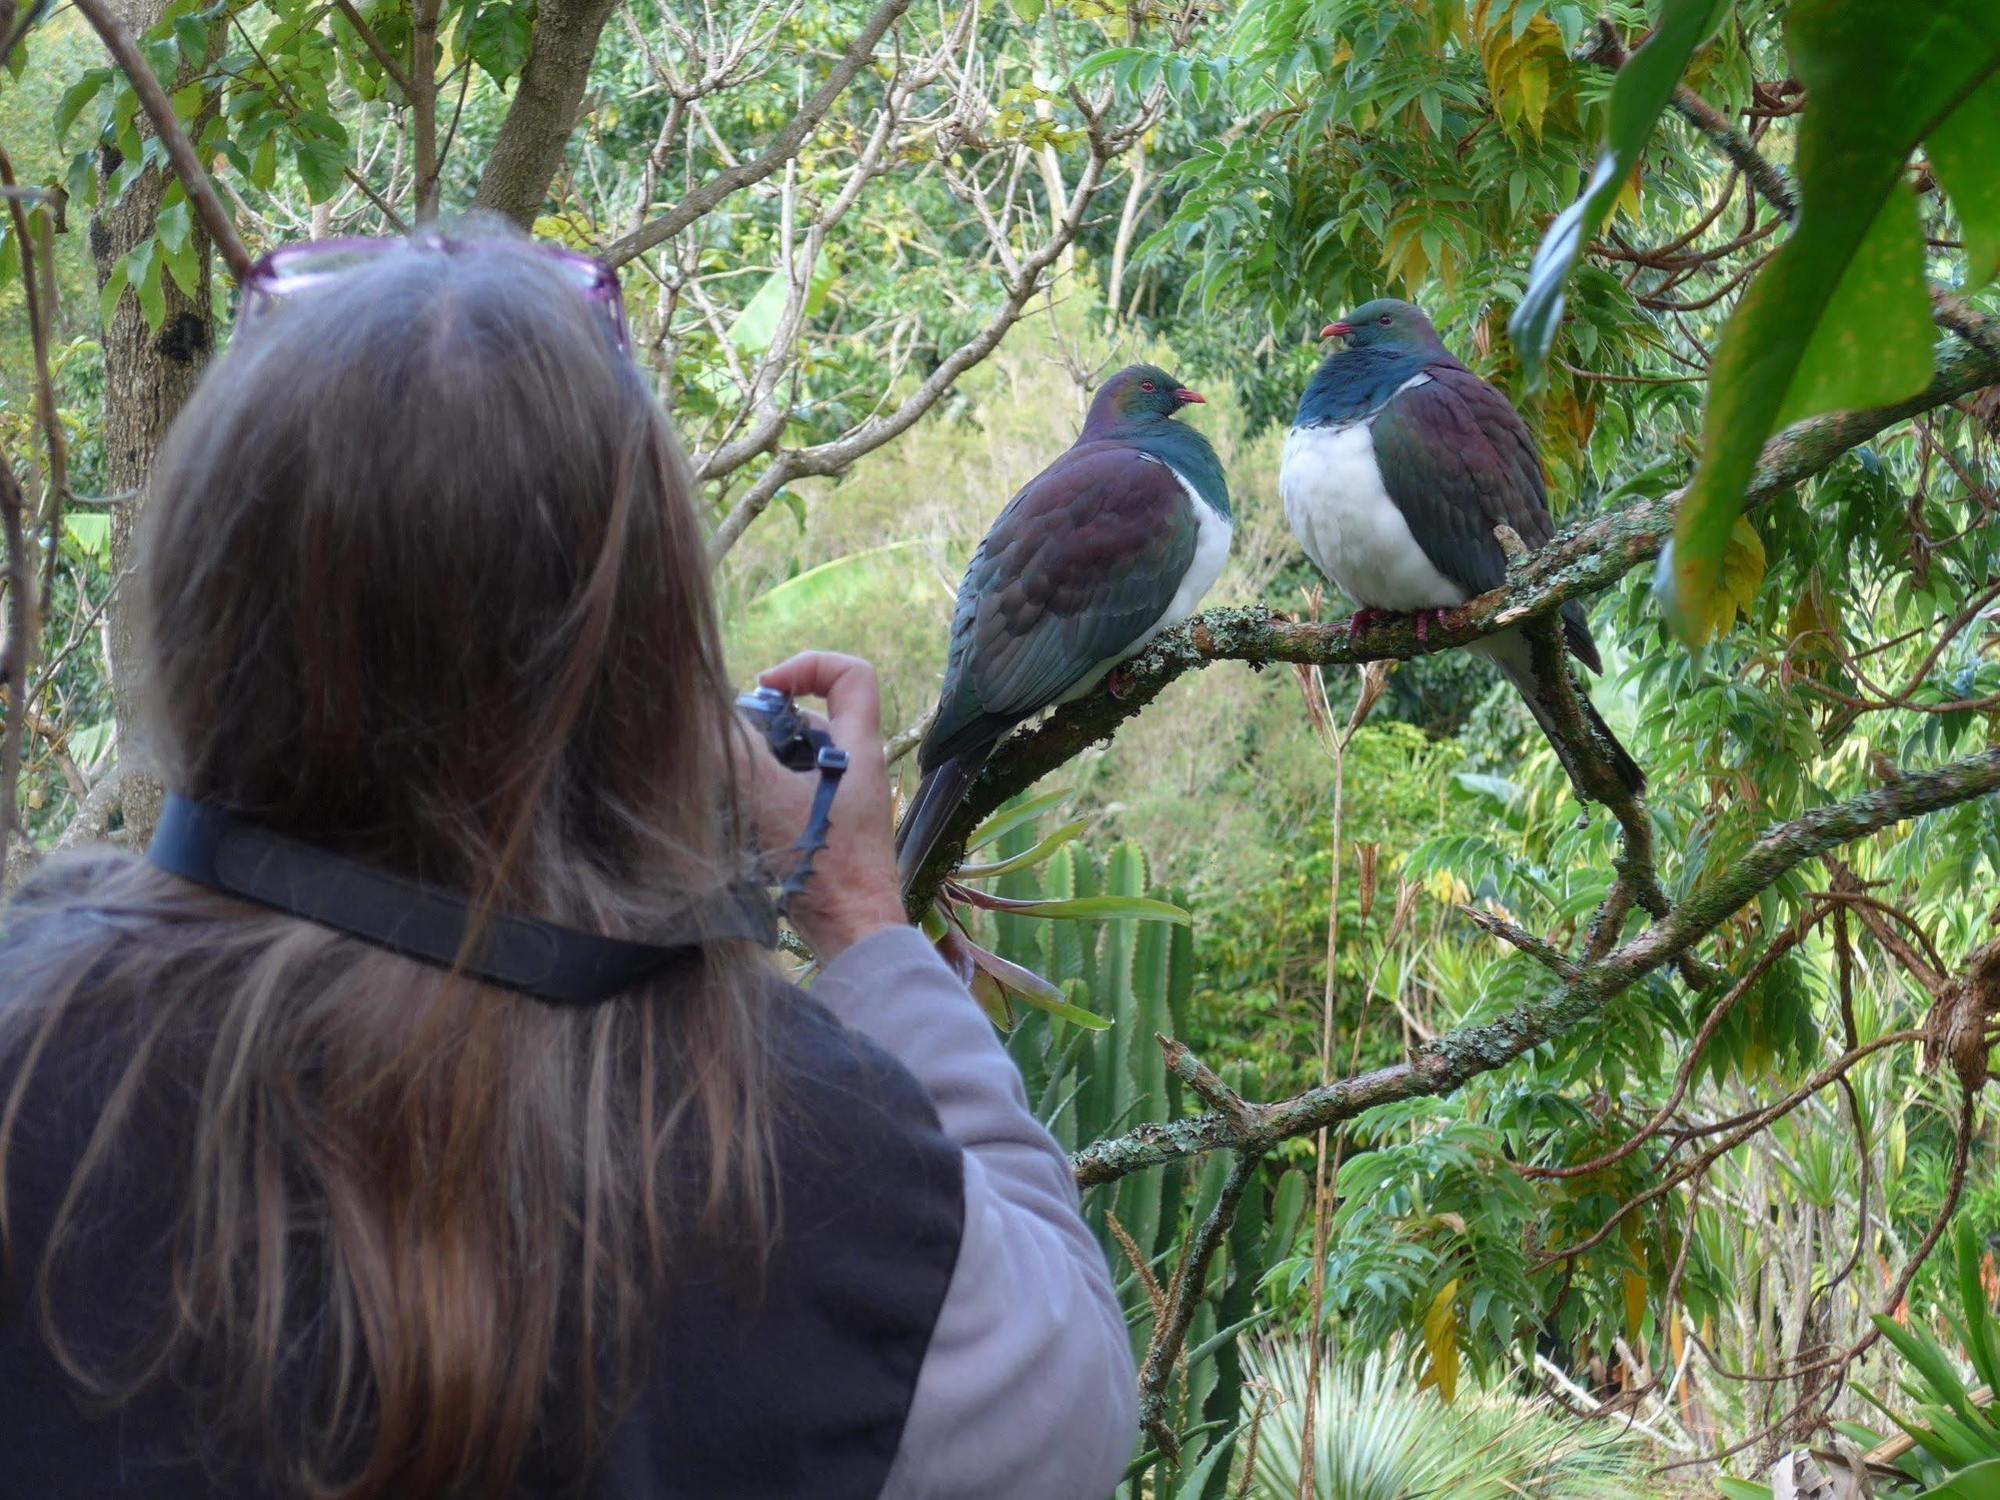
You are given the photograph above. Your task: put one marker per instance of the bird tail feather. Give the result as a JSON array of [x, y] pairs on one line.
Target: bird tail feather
[[937, 798], [1513, 656]]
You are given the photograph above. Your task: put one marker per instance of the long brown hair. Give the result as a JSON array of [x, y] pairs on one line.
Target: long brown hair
[[426, 587]]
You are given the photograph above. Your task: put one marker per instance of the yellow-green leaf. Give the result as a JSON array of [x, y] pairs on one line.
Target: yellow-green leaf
[[1850, 362], [1743, 565], [1441, 1339]]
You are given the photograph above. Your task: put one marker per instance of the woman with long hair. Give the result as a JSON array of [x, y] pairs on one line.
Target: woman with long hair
[[425, 1116]]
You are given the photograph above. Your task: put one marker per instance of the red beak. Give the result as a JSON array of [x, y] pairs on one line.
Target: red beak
[[1336, 330], [1190, 398]]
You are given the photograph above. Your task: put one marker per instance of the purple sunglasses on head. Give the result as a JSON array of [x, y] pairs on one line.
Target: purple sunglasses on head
[[295, 268]]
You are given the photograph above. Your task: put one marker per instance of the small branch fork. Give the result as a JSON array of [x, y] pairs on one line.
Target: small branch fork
[[1184, 1292], [1608, 49]]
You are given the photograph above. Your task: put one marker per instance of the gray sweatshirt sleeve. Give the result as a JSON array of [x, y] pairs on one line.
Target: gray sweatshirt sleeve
[[1028, 1390]]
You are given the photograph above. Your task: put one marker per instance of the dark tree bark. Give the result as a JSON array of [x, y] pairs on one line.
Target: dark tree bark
[[530, 145], [148, 376]]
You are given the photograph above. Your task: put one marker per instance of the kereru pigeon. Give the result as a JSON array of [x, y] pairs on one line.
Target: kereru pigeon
[[1109, 545], [1399, 464]]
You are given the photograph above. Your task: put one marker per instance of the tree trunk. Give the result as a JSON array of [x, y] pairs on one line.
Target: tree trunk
[[148, 376], [529, 148]]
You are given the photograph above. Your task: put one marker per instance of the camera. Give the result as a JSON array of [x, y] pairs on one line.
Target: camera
[[795, 743], [798, 747]]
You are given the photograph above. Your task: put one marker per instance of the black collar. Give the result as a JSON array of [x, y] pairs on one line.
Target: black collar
[[561, 965]]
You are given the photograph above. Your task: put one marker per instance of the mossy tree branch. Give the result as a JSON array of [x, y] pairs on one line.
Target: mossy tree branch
[[1442, 1065]]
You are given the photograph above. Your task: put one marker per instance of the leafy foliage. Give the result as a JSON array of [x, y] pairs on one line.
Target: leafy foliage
[[1840, 318]]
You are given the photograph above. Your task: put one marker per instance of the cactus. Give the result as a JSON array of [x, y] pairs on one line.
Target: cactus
[[1086, 1084]]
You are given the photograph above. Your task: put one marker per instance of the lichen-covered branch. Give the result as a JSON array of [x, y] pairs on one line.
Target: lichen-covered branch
[[1183, 1297], [1583, 560], [1442, 1065]]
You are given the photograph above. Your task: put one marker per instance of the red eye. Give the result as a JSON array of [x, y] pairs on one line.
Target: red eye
[[1145, 385], [1387, 320]]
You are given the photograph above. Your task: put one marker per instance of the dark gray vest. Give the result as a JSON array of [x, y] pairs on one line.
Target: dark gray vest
[[801, 1391]]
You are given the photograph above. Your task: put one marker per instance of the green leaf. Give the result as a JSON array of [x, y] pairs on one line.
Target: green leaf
[[147, 283], [1092, 908], [91, 531], [1980, 1482], [834, 584], [175, 225], [1027, 858], [1062, 1010], [76, 96], [10, 254], [499, 40], [320, 163], [264, 165], [1642, 89], [757, 324], [1196, 1482], [191, 36], [1963, 150], [88, 744], [1873, 340], [1840, 316], [1111, 57], [1978, 1311], [113, 289], [1009, 818], [1929, 1360]]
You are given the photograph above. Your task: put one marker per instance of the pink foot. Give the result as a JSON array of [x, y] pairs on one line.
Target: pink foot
[[1116, 683], [1363, 620], [1427, 618]]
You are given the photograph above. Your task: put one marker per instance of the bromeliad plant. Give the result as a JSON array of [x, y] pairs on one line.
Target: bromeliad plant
[[1950, 1443], [1954, 1432], [999, 982]]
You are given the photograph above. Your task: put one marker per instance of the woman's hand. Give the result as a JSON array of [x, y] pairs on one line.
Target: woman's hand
[[853, 889]]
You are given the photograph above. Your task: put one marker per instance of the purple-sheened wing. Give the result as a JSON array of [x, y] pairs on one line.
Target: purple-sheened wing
[[1458, 460], [1083, 562]]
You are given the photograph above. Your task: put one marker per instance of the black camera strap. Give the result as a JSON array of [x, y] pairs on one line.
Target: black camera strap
[[561, 965], [831, 762]]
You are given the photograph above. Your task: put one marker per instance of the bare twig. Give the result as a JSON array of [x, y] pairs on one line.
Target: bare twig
[[1520, 938], [784, 145]]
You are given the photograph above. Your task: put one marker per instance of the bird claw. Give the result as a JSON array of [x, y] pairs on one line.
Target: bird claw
[[1363, 620], [1116, 682], [1425, 619]]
